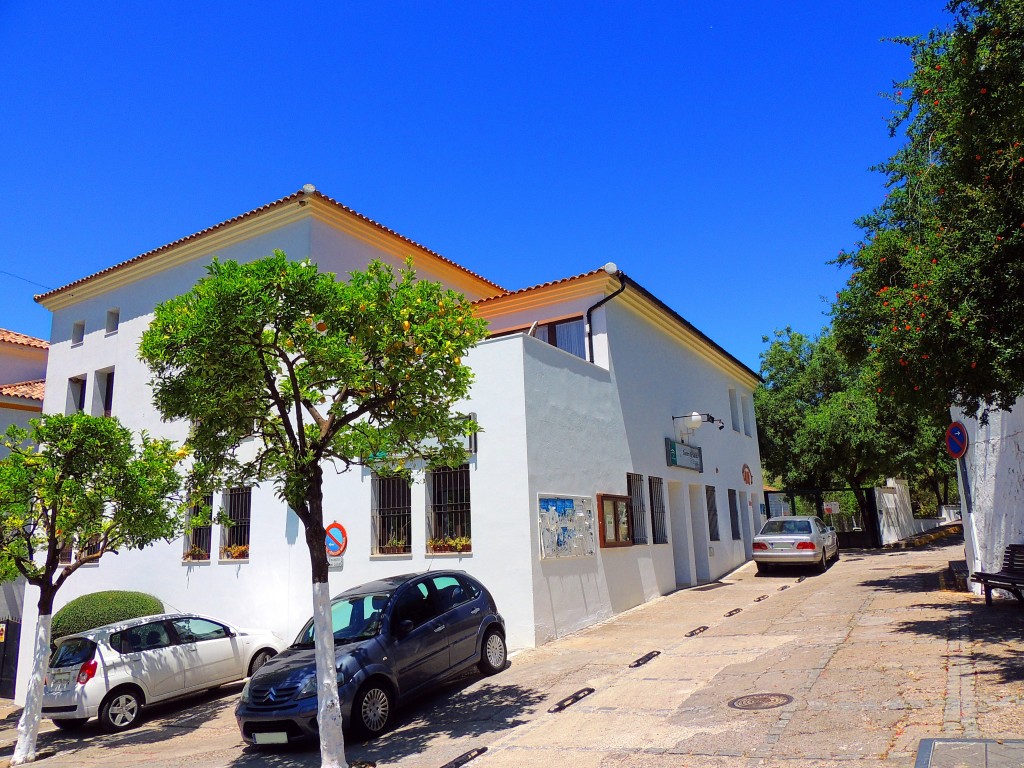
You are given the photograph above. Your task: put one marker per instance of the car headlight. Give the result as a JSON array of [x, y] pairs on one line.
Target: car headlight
[[308, 688], [244, 698]]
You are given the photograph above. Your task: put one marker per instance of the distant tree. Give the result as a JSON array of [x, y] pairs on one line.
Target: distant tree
[[937, 290], [365, 372], [822, 422], [78, 485]]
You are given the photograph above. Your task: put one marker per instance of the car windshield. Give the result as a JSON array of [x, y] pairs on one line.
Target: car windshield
[[72, 652], [779, 525], [352, 618]]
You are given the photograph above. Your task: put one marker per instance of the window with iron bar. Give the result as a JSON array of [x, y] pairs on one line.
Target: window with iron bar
[[235, 537], [655, 486], [734, 516], [391, 516], [199, 540], [709, 495], [449, 521], [635, 487]]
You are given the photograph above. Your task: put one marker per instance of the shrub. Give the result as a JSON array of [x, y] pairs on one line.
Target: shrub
[[99, 608]]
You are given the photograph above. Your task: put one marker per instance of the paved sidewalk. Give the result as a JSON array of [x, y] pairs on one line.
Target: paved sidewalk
[[859, 667], [970, 753]]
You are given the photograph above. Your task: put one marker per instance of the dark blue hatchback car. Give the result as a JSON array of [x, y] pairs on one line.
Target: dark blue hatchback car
[[393, 639]]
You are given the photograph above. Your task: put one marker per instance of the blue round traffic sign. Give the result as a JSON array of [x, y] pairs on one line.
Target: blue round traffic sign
[[336, 540], [956, 439]]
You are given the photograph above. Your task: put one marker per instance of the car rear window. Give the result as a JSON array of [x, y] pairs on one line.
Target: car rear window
[[787, 526], [73, 652]]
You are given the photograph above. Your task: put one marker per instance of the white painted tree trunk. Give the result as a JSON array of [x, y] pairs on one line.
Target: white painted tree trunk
[[28, 725], [332, 741]]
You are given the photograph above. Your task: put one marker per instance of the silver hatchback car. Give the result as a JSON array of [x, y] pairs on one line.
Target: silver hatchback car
[[111, 672], [794, 540]]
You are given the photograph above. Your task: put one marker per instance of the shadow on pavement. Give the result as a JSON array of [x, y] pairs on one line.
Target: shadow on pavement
[[451, 713], [182, 715]]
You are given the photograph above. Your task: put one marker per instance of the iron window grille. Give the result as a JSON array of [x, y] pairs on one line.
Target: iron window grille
[[635, 487], [93, 544], [709, 494], [449, 522], [656, 488], [392, 516], [66, 551], [199, 540], [734, 515], [235, 537]]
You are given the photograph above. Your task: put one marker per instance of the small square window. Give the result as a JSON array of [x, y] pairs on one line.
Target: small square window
[[113, 320], [78, 333]]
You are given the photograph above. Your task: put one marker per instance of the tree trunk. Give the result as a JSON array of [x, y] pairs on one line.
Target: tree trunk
[[28, 725], [332, 741]]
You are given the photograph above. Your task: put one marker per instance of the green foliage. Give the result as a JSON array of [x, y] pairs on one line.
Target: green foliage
[[75, 480], [100, 608], [934, 302], [364, 372], [821, 422]]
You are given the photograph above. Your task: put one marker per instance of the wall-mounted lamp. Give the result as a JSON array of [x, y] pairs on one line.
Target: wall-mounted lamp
[[693, 420]]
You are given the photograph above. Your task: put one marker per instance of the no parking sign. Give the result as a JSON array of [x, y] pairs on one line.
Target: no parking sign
[[336, 542]]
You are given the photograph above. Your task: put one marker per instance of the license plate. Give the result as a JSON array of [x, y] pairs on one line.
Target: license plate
[[60, 681], [780, 545], [270, 738]]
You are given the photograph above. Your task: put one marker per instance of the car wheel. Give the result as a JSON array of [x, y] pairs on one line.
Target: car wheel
[[71, 725], [373, 708], [494, 653], [763, 568], [823, 564], [261, 658], [120, 710]]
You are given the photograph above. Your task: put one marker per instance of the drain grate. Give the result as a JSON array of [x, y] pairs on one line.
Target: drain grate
[[759, 599], [784, 586], [733, 612], [761, 701], [695, 632]]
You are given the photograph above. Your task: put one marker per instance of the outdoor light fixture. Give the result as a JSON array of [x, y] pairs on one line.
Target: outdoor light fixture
[[693, 420]]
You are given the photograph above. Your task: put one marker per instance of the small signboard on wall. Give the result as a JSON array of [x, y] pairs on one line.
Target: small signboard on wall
[[683, 455], [565, 526], [831, 508]]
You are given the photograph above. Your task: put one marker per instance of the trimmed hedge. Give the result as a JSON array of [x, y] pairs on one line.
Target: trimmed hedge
[[99, 608]]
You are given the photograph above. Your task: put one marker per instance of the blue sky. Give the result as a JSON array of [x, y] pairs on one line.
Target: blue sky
[[719, 155]]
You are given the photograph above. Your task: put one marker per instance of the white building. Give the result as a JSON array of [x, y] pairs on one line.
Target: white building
[[564, 442], [991, 475]]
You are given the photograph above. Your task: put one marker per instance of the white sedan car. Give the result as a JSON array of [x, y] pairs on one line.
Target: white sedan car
[[795, 539], [111, 672]]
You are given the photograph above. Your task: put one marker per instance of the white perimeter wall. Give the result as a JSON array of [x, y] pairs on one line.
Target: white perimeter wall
[[995, 471]]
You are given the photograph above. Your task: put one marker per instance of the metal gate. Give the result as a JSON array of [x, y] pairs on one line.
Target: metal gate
[[851, 511], [10, 637]]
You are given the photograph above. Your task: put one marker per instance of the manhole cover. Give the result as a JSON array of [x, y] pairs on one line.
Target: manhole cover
[[761, 701]]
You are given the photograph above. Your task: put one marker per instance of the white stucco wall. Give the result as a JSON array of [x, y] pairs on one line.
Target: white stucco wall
[[995, 472], [655, 379]]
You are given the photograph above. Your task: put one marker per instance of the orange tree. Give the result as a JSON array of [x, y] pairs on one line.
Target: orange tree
[[932, 308], [363, 372]]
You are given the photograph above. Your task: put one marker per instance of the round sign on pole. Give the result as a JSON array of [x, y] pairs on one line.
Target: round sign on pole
[[336, 540], [956, 439]]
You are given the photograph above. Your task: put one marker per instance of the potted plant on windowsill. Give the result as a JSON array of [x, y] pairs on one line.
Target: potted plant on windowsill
[[442, 544], [394, 547], [462, 544], [196, 553], [235, 552]]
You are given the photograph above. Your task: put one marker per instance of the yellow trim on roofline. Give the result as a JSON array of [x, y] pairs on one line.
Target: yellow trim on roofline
[[231, 233]]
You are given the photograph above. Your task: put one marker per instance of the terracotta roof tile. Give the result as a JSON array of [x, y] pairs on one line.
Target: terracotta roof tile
[[12, 337], [509, 294], [250, 214], [28, 390]]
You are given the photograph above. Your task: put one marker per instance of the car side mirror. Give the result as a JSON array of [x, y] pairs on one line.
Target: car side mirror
[[404, 627], [830, 529]]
